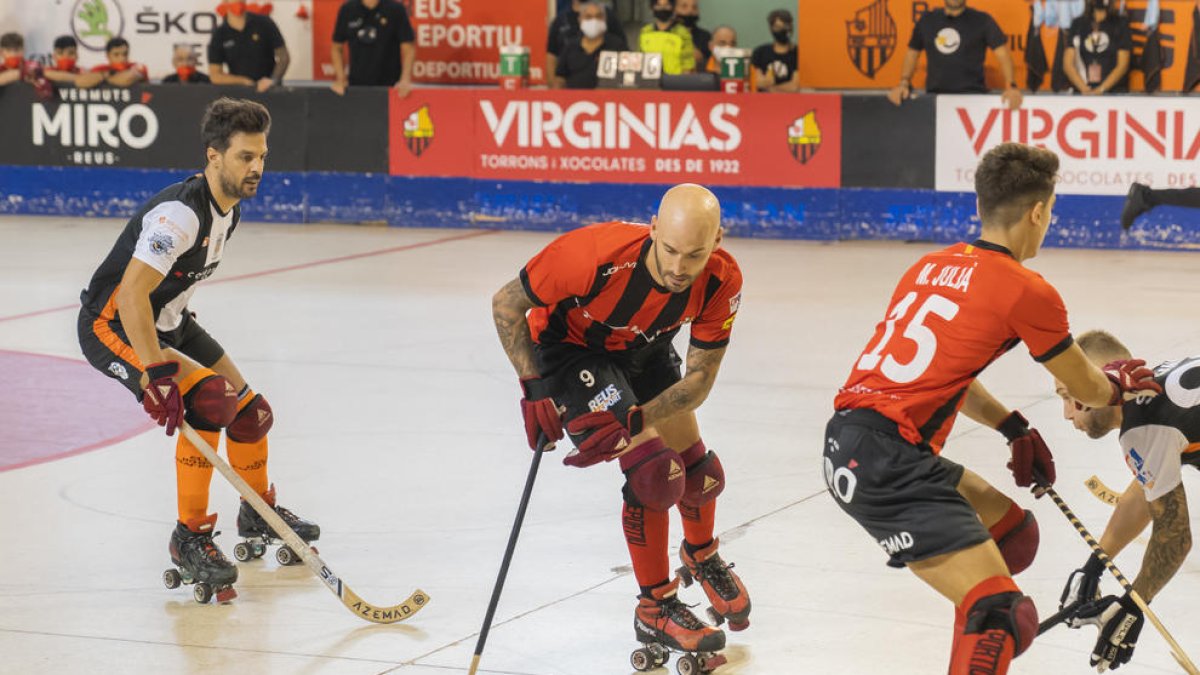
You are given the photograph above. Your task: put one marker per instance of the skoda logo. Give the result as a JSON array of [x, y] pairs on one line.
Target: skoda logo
[[95, 22]]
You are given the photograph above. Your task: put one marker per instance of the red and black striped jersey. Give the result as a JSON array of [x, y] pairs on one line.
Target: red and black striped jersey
[[952, 314], [591, 287]]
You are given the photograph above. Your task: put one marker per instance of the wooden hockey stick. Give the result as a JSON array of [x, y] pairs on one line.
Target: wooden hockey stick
[[349, 598], [1180, 656], [1102, 492], [508, 554]]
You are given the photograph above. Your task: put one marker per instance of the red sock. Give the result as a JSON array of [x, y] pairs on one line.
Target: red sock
[[646, 534], [989, 651], [1012, 518], [698, 522]]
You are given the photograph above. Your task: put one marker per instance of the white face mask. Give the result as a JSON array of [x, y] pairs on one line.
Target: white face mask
[[593, 28]]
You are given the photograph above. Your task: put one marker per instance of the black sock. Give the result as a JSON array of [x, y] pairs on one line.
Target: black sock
[[1186, 197]]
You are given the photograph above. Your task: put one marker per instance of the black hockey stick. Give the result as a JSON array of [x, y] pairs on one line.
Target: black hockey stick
[[508, 553], [1059, 617]]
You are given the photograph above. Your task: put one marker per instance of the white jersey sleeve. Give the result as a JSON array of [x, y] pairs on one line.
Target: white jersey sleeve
[[168, 231], [1152, 452]]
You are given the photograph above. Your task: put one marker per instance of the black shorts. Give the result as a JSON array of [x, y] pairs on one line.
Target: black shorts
[[586, 381], [905, 496], [107, 348]]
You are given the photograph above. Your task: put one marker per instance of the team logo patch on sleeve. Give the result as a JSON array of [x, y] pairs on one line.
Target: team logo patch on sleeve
[[161, 243], [735, 303]]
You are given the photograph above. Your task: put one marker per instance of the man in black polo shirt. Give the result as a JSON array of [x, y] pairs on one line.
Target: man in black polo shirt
[[1099, 45], [247, 49], [955, 40], [564, 29], [581, 55], [381, 39]]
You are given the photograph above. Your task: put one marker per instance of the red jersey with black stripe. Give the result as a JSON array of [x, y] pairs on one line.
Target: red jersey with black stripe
[[592, 288], [952, 314]]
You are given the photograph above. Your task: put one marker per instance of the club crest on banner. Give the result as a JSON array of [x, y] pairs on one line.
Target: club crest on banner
[[418, 131], [871, 38], [804, 137]]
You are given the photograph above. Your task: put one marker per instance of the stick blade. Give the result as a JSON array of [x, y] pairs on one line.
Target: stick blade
[[394, 614]]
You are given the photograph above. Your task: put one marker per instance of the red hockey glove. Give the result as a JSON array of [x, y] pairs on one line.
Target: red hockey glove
[[1031, 460], [1129, 376], [607, 437], [160, 398], [540, 413]]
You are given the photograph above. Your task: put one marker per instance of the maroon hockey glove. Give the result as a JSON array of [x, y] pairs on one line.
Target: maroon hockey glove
[[1129, 376], [160, 398], [607, 436], [1031, 460], [540, 413]]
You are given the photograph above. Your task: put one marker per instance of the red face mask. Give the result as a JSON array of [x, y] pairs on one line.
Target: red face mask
[[13, 62], [65, 63], [119, 67], [237, 8], [185, 72]]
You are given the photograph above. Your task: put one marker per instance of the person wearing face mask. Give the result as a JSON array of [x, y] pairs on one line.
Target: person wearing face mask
[[688, 12], [667, 36], [565, 28], [775, 63], [118, 72], [65, 66], [184, 61], [1099, 44], [247, 49], [725, 37], [580, 57], [955, 40], [12, 58]]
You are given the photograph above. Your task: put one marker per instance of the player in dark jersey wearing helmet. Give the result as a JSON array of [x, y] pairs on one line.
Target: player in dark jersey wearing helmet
[[135, 327], [952, 314], [603, 304], [1159, 436]]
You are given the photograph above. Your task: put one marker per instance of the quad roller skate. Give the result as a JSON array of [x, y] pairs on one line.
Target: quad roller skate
[[257, 535], [663, 624], [724, 589], [198, 561]]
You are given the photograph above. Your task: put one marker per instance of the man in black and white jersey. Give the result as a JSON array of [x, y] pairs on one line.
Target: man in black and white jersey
[[135, 326], [1159, 435]]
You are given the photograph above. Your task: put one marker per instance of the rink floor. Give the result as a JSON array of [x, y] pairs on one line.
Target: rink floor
[[397, 429]]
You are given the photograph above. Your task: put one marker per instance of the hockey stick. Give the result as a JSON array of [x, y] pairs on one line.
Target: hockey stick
[[349, 598], [1101, 491], [1059, 617], [508, 554], [1176, 650]]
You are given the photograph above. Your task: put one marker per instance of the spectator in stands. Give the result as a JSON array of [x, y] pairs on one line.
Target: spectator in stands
[[565, 28], [184, 60], [725, 37], [667, 36], [1098, 46], [247, 49], [776, 63], [381, 39], [118, 72], [955, 40], [688, 12], [65, 67], [581, 55], [12, 50]]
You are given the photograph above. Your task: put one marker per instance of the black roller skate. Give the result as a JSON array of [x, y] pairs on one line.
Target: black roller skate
[[257, 535], [198, 561], [663, 624], [724, 589]]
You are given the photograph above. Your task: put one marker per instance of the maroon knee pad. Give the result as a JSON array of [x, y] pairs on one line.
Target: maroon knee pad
[[654, 476], [705, 480], [1011, 612], [210, 404], [253, 422], [1019, 545]]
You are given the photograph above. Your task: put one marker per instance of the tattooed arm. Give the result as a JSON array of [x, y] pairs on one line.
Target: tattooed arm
[[509, 306], [1169, 543], [688, 393]]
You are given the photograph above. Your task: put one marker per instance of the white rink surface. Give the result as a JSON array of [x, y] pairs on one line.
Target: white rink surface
[[398, 431]]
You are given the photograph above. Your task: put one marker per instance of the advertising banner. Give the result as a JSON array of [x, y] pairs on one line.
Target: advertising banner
[[619, 137], [152, 29], [851, 44], [457, 41], [1103, 144]]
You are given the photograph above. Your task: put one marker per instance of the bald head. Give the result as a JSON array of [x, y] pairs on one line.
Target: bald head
[[686, 232]]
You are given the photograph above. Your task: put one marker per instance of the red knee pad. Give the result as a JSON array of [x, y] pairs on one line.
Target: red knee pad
[[1000, 625], [654, 476], [253, 422], [1018, 543], [705, 480], [209, 401]]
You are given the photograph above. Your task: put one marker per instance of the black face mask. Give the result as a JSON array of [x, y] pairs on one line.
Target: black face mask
[[664, 15], [783, 37], [690, 21]]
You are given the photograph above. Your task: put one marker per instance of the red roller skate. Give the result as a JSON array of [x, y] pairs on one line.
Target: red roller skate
[[730, 601]]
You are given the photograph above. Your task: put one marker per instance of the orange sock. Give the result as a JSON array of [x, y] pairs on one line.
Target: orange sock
[[249, 459], [646, 534], [193, 474]]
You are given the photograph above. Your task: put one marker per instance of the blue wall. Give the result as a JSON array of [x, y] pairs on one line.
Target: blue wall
[[824, 214]]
